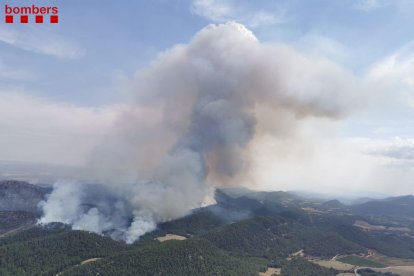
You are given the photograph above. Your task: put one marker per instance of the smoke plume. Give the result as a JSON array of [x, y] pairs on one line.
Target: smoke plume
[[196, 110]]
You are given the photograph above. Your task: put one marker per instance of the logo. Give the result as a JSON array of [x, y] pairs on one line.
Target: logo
[[33, 13]]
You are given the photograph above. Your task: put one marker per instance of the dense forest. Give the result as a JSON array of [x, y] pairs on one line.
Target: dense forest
[[240, 235]]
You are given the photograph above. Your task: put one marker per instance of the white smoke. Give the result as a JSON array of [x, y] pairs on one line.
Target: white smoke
[[206, 102], [86, 207], [63, 204]]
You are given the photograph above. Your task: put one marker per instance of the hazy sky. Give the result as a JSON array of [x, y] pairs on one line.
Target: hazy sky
[[62, 86]]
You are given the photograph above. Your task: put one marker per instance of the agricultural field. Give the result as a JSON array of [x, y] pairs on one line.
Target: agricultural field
[[334, 264], [359, 261], [400, 270], [271, 271], [169, 237], [369, 227], [390, 261]]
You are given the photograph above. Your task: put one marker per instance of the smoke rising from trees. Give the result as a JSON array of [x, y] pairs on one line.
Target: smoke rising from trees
[[196, 111]]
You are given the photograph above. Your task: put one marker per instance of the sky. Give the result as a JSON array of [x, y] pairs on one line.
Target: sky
[[63, 86]]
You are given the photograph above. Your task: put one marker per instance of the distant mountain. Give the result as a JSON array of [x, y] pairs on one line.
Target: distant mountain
[[236, 191], [359, 200], [20, 196], [273, 200], [402, 206], [333, 204], [280, 196], [240, 202]]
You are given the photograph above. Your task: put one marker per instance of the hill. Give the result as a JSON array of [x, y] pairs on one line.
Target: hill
[[20, 196], [189, 257], [243, 233], [401, 207], [41, 251], [12, 221]]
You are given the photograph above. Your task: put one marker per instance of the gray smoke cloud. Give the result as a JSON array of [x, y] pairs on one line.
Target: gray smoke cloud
[[196, 110]]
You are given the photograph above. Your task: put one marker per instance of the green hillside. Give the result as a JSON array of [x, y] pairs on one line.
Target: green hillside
[[49, 252], [238, 236], [276, 237], [189, 257]]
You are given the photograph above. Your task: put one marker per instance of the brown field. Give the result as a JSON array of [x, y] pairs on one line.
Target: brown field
[[401, 270], [270, 271], [171, 237], [400, 229], [90, 260], [298, 253], [334, 264], [389, 261], [312, 210], [366, 226], [403, 267]]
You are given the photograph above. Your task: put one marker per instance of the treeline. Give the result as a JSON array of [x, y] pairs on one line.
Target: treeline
[[189, 257], [301, 267], [390, 244], [32, 253], [212, 248], [275, 237]]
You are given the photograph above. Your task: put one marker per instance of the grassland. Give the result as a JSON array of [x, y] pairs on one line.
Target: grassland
[[400, 270], [270, 272], [390, 261], [334, 264], [362, 262]]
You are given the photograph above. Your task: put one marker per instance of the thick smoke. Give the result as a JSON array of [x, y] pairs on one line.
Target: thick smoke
[[196, 111], [87, 207]]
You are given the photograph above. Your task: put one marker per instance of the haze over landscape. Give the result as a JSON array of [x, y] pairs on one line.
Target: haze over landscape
[[205, 137], [365, 91]]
